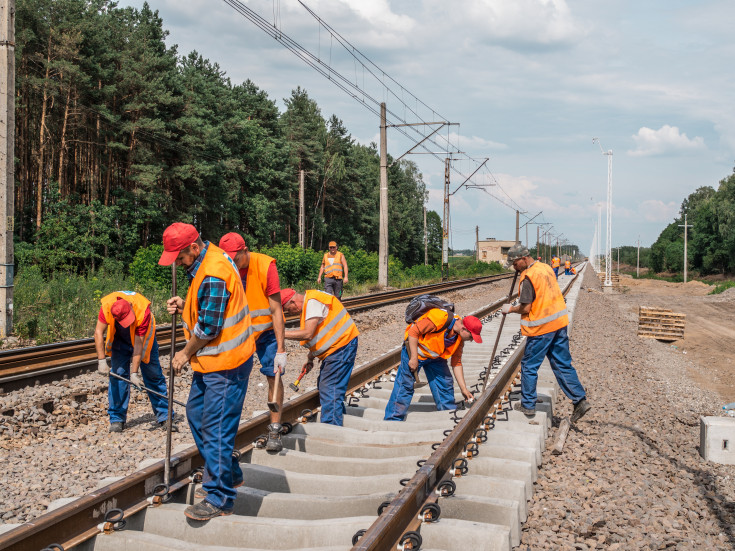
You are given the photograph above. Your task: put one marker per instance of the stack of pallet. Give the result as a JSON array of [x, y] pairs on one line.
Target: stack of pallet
[[661, 324], [615, 278]]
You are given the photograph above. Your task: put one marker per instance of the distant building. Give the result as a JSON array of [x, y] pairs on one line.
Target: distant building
[[492, 250]]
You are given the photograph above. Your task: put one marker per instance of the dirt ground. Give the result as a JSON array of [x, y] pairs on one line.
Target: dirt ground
[[710, 326]]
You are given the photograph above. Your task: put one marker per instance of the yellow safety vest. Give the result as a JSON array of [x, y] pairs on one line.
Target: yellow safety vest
[[235, 344], [555, 262], [432, 345], [567, 264], [548, 310], [335, 270], [139, 304], [257, 281], [334, 332]]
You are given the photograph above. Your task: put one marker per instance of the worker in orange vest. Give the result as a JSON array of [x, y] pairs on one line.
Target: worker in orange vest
[[220, 347], [329, 333], [334, 268], [567, 267], [555, 263], [133, 350], [544, 323], [435, 337], [259, 277]]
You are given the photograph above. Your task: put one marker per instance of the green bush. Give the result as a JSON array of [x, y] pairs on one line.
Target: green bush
[[720, 287], [147, 273]]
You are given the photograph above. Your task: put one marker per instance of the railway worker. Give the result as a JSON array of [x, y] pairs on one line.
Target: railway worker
[[555, 263], [220, 348], [428, 343], [544, 322], [334, 268], [567, 267], [329, 333], [263, 292], [133, 350]]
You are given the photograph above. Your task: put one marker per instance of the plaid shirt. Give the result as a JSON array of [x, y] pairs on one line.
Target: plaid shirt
[[212, 298]]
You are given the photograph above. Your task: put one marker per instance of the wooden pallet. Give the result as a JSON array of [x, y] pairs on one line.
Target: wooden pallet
[[661, 324]]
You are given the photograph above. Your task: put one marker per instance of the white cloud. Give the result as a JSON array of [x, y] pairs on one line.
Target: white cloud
[[665, 140], [654, 210], [475, 143]]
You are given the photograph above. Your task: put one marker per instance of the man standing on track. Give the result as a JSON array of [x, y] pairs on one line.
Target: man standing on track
[[220, 347], [131, 344], [334, 268], [544, 322], [428, 343], [263, 292], [567, 267], [555, 264], [329, 333]]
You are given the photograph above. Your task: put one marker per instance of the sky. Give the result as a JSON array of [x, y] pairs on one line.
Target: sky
[[530, 84]]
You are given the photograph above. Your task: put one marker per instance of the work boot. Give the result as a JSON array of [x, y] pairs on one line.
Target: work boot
[[161, 425], [201, 492], [274, 443], [205, 511], [580, 408], [530, 413], [117, 426]]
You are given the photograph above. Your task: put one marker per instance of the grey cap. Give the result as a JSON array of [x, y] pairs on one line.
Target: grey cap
[[517, 251]]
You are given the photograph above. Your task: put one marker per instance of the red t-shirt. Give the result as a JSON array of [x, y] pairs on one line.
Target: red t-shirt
[[142, 329], [272, 283]]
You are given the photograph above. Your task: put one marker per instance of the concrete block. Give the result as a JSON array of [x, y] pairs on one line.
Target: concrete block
[[717, 439]]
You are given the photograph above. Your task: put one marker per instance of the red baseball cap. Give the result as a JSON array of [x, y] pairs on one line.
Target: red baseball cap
[[176, 238], [122, 312], [232, 243], [474, 326], [286, 295]]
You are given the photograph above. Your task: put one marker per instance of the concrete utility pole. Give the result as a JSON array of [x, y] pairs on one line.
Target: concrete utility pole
[[302, 212], [538, 247], [638, 260], [426, 241], [477, 243], [608, 233], [518, 214], [618, 259], [445, 233], [383, 242], [7, 160], [686, 259]]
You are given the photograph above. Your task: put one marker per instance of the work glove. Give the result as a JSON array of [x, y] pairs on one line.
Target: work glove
[[136, 379], [505, 309], [280, 362], [103, 368]]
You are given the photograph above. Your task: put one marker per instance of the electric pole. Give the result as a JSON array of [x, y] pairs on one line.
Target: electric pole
[[517, 226], [608, 233], [686, 260], [538, 247], [7, 160], [383, 241], [477, 243], [426, 241], [638, 260], [302, 212], [445, 232]]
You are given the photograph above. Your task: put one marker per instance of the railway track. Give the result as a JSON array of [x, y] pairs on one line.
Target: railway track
[[24, 367], [331, 487]]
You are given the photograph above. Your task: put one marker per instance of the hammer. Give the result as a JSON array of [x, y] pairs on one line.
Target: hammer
[[273, 403], [295, 385]]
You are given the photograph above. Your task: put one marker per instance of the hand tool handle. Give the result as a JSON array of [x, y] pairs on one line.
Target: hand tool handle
[[497, 338], [182, 404], [171, 376]]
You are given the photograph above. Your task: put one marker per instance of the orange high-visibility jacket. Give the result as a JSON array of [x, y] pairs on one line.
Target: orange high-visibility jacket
[[548, 310], [432, 345], [567, 264], [335, 269], [139, 304], [555, 262], [235, 344], [334, 331], [260, 311]]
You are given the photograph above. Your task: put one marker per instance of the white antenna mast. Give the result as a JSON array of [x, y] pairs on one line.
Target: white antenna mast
[[608, 237]]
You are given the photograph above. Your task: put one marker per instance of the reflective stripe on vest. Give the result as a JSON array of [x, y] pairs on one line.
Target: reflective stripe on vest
[[548, 310], [139, 304], [432, 346], [334, 331], [234, 344], [256, 285], [335, 270]]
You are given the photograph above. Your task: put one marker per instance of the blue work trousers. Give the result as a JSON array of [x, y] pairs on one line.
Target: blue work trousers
[[440, 382], [556, 271], [266, 347], [213, 409], [334, 375], [567, 272], [118, 392], [555, 346]]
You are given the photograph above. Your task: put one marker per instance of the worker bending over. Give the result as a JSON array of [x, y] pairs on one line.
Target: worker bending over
[[334, 268], [259, 277], [220, 347], [544, 322], [428, 343], [133, 349], [329, 333]]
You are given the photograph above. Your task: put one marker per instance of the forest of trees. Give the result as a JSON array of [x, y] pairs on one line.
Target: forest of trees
[[118, 135], [711, 241]]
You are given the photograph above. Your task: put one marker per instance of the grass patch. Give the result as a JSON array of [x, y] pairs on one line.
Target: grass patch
[[677, 278], [723, 286]]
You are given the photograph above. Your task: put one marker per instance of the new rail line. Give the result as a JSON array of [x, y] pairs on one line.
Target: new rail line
[[24, 367], [370, 485]]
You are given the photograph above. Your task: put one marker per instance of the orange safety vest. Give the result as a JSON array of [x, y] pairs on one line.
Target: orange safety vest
[[548, 310], [555, 262], [334, 332], [432, 345], [139, 304], [335, 270], [260, 310], [235, 344]]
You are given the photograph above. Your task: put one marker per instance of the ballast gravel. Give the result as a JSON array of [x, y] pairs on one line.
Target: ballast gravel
[[54, 439], [631, 476]]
